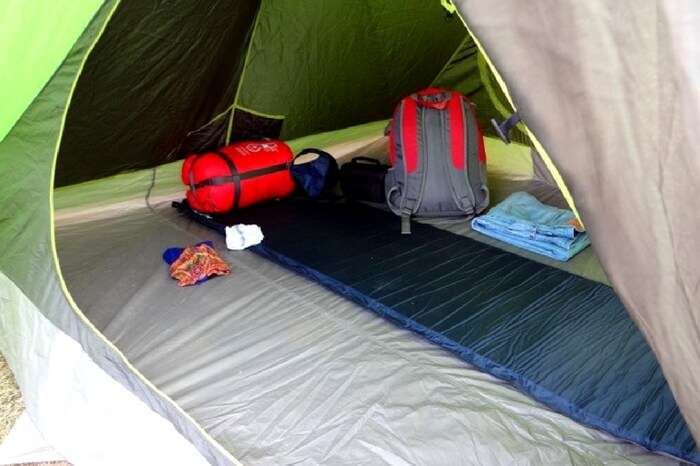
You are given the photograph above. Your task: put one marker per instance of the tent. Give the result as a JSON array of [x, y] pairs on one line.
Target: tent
[[99, 92]]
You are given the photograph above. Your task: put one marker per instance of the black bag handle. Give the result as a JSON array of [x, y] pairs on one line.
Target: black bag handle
[[365, 159]]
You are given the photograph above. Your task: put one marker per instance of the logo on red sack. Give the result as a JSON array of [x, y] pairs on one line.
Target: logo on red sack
[[254, 147]]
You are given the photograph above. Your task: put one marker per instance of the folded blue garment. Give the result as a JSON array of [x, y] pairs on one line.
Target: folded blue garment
[[523, 221]]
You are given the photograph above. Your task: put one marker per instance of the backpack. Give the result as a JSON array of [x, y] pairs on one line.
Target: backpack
[[437, 158]]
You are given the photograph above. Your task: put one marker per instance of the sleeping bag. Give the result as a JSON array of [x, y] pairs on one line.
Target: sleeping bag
[[237, 176]]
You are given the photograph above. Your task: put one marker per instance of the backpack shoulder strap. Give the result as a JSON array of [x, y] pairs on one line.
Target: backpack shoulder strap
[[458, 136], [409, 134]]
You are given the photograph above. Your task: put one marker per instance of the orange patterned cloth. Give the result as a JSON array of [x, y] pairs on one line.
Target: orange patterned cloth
[[197, 263]]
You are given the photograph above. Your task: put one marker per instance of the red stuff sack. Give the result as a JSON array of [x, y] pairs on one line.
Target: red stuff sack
[[237, 176]]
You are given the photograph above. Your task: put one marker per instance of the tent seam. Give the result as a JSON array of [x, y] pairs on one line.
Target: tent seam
[[449, 60], [232, 107], [483, 67], [56, 262], [259, 113], [246, 60]]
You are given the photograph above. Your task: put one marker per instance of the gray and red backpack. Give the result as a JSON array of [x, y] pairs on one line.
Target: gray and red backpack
[[437, 157]]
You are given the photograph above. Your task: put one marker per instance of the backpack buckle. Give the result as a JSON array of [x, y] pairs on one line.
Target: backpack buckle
[[405, 224], [504, 128]]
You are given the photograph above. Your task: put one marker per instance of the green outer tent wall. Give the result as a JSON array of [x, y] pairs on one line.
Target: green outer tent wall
[[34, 45]]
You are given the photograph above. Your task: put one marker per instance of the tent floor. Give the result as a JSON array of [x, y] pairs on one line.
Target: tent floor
[[280, 370]]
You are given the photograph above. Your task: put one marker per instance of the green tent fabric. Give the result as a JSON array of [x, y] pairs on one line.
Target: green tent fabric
[[99, 88], [127, 111], [399, 51], [33, 48]]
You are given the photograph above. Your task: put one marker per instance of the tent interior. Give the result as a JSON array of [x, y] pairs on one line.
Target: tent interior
[[275, 367]]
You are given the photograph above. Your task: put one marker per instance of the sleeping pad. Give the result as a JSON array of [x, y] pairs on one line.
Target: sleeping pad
[[565, 340]]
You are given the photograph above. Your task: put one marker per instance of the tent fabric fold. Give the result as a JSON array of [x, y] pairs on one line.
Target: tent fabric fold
[[611, 90]]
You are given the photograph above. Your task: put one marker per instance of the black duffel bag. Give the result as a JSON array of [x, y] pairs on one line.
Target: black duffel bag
[[362, 179]]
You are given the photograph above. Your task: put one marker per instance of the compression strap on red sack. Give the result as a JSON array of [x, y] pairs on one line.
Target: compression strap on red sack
[[235, 177], [218, 180]]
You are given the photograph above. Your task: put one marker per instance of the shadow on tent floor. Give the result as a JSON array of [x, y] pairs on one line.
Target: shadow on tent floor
[[280, 370]]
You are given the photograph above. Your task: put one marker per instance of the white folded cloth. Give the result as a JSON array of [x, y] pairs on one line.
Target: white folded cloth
[[239, 237]]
